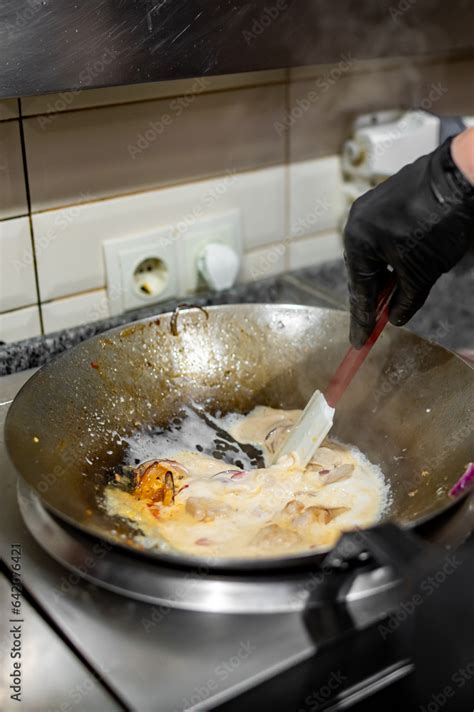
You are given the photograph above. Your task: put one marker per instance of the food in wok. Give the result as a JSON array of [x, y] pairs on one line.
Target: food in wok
[[189, 501]]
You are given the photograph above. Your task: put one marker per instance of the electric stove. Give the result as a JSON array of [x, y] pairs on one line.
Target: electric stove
[[104, 630]]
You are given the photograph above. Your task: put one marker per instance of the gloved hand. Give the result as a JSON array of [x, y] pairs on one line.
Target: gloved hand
[[421, 222]]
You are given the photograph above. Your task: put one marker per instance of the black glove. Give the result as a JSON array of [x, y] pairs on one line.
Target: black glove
[[421, 222]]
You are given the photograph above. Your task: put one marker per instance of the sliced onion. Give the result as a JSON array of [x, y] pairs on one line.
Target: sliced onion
[[464, 481], [228, 475], [226, 472], [203, 541], [239, 475]]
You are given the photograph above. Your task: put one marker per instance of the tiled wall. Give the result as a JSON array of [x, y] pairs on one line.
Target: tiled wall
[[78, 168]]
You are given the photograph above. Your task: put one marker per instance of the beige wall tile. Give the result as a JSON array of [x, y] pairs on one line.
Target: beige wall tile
[[104, 152], [262, 263], [12, 180], [51, 104], [365, 66], [20, 324], [72, 311], [68, 242], [245, 79], [322, 109], [8, 109], [316, 200], [314, 250], [17, 276]]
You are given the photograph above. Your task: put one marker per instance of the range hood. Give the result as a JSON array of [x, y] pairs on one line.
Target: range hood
[[63, 45]]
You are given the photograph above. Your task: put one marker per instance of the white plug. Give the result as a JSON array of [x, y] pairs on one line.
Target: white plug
[[219, 265]]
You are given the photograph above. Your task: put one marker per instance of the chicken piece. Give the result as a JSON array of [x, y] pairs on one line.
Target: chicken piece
[[311, 515], [206, 508], [317, 515], [273, 536], [258, 425], [293, 507]]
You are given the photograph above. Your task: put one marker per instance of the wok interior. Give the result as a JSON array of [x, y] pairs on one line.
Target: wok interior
[[409, 410]]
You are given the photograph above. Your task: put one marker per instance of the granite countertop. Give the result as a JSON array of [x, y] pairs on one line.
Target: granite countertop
[[37, 351], [447, 317]]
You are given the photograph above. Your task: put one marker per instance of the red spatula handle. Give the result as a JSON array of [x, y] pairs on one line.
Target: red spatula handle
[[354, 358]]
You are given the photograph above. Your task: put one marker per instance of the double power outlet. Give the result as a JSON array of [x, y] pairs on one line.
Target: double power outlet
[[168, 261]]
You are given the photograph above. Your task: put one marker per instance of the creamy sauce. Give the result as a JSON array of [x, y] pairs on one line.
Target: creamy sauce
[[278, 510]]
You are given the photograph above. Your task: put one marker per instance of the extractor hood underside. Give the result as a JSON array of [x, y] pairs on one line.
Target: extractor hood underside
[[61, 45]]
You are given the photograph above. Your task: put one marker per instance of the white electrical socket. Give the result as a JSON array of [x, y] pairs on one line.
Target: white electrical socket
[[141, 269], [144, 269], [223, 228]]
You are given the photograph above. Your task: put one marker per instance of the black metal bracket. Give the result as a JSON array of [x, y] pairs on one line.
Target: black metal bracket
[[383, 545]]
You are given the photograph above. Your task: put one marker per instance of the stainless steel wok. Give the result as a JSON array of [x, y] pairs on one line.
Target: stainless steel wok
[[410, 409]]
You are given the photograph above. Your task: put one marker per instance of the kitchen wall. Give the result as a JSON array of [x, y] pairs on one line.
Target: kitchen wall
[[81, 167]]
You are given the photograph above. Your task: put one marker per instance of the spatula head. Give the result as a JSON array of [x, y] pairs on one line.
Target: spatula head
[[310, 430]]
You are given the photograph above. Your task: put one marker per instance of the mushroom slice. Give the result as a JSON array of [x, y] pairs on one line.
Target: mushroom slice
[[339, 473]]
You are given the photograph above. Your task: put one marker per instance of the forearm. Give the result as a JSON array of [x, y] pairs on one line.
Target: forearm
[[462, 151]]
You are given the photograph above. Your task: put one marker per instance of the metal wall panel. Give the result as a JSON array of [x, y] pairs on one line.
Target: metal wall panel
[[60, 45]]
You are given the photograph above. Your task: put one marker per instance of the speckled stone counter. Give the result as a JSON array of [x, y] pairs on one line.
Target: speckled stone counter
[[447, 317]]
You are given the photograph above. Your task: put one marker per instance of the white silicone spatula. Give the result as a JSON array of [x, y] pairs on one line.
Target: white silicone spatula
[[309, 432], [316, 420]]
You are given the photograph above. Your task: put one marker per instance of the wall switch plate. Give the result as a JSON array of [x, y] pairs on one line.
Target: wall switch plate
[[141, 269], [222, 229]]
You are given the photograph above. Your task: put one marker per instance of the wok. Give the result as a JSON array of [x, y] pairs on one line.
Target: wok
[[410, 409]]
